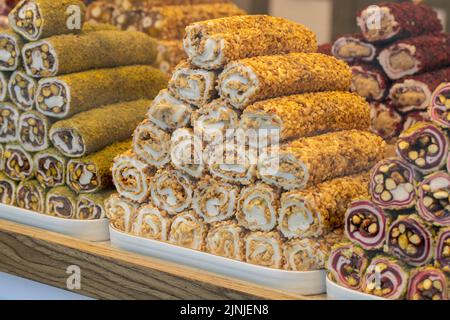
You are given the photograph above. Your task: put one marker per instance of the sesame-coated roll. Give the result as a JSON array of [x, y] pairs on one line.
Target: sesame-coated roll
[[318, 210], [50, 167], [213, 44], [411, 240], [10, 48], [390, 21], [92, 206], [67, 95], [101, 12], [347, 264], [36, 19], [306, 162], [366, 224], [131, 177], [120, 212], [264, 249], [412, 56], [92, 173], [442, 256], [186, 152], [151, 144], [7, 190], [92, 130], [226, 239], [151, 223], [189, 231], [385, 121], [33, 131], [308, 114], [170, 54], [369, 82], [353, 48], [193, 85], [427, 283], [31, 196], [93, 50], [9, 122], [310, 253], [439, 109], [22, 90], [385, 277], [392, 184], [424, 146], [61, 202], [19, 163], [246, 81], [4, 80], [433, 203]]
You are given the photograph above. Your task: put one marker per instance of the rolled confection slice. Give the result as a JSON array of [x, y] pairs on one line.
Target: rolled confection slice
[[213, 44], [215, 200], [120, 212], [427, 283], [353, 48], [61, 202], [92, 173], [186, 152], [319, 210], [7, 190], [50, 167], [151, 144], [424, 146], [92, 50], [439, 109], [101, 12], [410, 240], [171, 191], [92, 206], [369, 82], [414, 92], [442, 256], [152, 223], [193, 85], [246, 81], [19, 163], [36, 19], [413, 56], [129, 20], [411, 118], [170, 54], [308, 114], [30, 195], [258, 207], [310, 253], [64, 96], [95, 129], [264, 249], [307, 162], [366, 224], [385, 277], [397, 20], [433, 204], [33, 131], [9, 122], [4, 79], [189, 231], [392, 185], [346, 265], [10, 48], [385, 120], [226, 239], [131, 177], [22, 90]]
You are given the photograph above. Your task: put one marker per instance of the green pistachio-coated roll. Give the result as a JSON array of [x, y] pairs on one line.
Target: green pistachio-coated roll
[[31, 196], [21, 90], [91, 206], [4, 79], [33, 131], [7, 190], [61, 202], [19, 164], [50, 167], [10, 48]]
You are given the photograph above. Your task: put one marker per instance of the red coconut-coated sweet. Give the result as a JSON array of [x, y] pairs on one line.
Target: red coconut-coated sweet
[[385, 120], [369, 82], [427, 283], [325, 49], [354, 48], [439, 109], [442, 255], [433, 205]]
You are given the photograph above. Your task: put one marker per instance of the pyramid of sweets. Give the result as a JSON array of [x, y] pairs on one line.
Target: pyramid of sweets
[[398, 238], [399, 58], [185, 183], [71, 95], [162, 19]]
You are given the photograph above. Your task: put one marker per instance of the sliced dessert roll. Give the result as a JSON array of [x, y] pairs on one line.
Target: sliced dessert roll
[[152, 223], [354, 48], [433, 203], [7, 190], [189, 231], [92, 206], [151, 144], [33, 131], [226, 239], [439, 109], [4, 79], [19, 163], [385, 120], [50, 167], [186, 152], [120, 212], [10, 47], [22, 89], [442, 256], [264, 249], [369, 82], [30, 195], [61, 202], [9, 122], [427, 283]]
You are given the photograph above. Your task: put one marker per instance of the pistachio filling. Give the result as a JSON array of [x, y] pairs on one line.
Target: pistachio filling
[[83, 177], [9, 118], [22, 90], [9, 53], [18, 164], [30, 198], [27, 18], [52, 98], [68, 141], [6, 193], [441, 106], [40, 59], [89, 210], [33, 132], [60, 207], [50, 171]]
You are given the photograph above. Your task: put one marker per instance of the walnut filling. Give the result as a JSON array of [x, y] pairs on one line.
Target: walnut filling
[[83, 177], [402, 60], [69, 142], [60, 207], [152, 227], [429, 287], [18, 165], [354, 49], [169, 113], [191, 86], [423, 149], [364, 222], [50, 171], [29, 198], [33, 133], [6, 193], [187, 231], [215, 121], [283, 170], [22, 90], [257, 209], [8, 123], [9, 52], [224, 242], [407, 240], [88, 210], [28, 20], [213, 203], [366, 85], [52, 99], [441, 105], [129, 180], [263, 251], [296, 220], [238, 84], [40, 59], [409, 96], [152, 144]]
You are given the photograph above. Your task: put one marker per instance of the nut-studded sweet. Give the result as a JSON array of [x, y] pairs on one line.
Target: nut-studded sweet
[[439, 109], [189, 231], [433, 203], [120, 212], [31, 196], [33, 131], [442, 255], [151, 144], [7, 190], [264, 249], [4, 79], [50, 167], [61, 202], [427, 283], [92, 206], [353, 48], [10, 47], [9, 122], [226, 239], [22, 90], [18, 163], [385, 120], [369, 82]]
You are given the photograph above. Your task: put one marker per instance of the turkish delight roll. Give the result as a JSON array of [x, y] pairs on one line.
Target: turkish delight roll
[[439, 109], [215, 43], [33, 131], [4, 79], [246, 81], [412, 56], [151, 144], [369, 82], [264, 249], [61, 202], [427, 283], [92, 206], [347, 264], [9, 122], [385, 120], [92, 130], [226, 239], [306, 162], [385, 277], [131, 177], [318, 210], [36, 19], [92, 173], [22, 90], [186, 152], [442, 256], [424, 146], [170, 54], [215, 200], [7, 190], [50, 167], [308, 114], [101, 12], [152, 223], [19, 163], [433, 203], [31, 196], [67, 95], [189, 231], [10, 49], [120, 212], [93, 50], [354, 48]]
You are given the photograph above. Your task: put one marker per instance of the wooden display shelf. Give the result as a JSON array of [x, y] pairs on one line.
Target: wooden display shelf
[[109, 273]]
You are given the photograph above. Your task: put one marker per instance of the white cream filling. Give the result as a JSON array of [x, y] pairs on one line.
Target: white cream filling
[[130, 169], [166, 198], [77, 144], [187, 227], [145, 217], [232, 74], [180, 112], [209, 56], [193, 93], [224, 241], [269, 169], [86, 177], [214, 207], [263, 245], [145, 150], [255, 215], [299, 222], [118, 208], [439, 184], [5, 55]]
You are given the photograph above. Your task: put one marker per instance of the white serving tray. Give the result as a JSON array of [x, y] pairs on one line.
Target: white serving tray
[[337, 292], [304, 283], [90, 230]]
